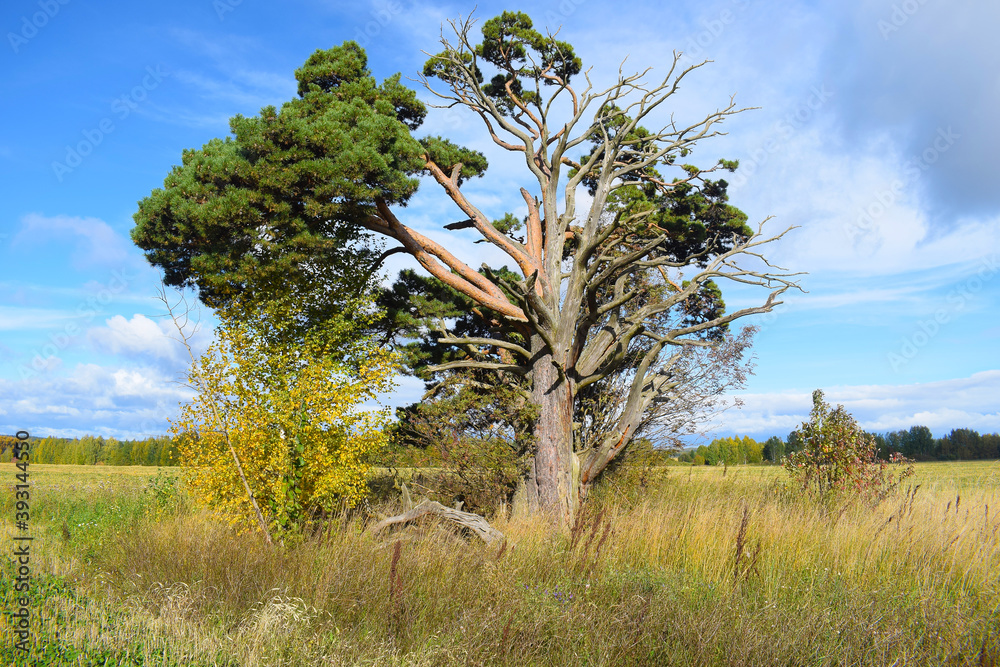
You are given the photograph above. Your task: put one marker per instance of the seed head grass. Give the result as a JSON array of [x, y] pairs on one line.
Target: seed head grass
[[695, 568]]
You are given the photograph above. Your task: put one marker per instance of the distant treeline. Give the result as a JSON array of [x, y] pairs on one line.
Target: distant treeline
[[90, 450], [917, 443], [734, 450], [962, 444]]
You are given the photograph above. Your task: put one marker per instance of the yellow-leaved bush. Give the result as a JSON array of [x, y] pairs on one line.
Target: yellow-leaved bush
[[287, 407]]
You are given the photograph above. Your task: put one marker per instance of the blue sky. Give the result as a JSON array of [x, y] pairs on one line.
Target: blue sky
[[875, 137]]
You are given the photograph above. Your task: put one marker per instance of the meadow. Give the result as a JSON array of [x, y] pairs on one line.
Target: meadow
[[676, 565]]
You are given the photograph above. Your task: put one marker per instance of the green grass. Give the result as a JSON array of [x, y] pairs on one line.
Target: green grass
[[702, 566]]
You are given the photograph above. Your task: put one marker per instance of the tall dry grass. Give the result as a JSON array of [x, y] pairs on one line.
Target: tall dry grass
[[694, 568]]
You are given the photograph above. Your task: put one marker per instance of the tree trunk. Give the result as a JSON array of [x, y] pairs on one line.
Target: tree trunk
[[555, 483], [525, 502]]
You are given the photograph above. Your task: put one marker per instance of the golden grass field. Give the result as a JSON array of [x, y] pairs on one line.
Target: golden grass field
[[702, 566]]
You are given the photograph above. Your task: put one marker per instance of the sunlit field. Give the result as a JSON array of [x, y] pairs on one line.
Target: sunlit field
[[677, 565]]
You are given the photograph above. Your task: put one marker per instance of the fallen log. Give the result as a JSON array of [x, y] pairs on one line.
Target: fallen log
[[472, 522]]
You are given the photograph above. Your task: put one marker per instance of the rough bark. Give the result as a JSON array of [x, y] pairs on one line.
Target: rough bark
[[557, 488], [525, 501]]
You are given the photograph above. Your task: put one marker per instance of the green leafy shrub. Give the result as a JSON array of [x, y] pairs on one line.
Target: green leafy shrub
[[837, 456], [278, 425]]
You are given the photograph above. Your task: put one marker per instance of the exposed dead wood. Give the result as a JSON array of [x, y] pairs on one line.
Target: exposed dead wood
[[461, 224], [472, 522]]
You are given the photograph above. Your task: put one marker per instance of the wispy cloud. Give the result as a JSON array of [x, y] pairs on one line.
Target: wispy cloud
[[14, 318], [111, 401], [225, 78], [93, 241], [145, 339], [942, 406], [241, 88], [218, 47]]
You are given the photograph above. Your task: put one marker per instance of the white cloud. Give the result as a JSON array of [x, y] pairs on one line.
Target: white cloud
[[110, 401], [942, 406], [132, 382], [138, 336], [860, 208], [94, 242], [14, 318]]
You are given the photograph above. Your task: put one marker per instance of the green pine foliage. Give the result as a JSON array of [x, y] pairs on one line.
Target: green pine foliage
[[279, 207]]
